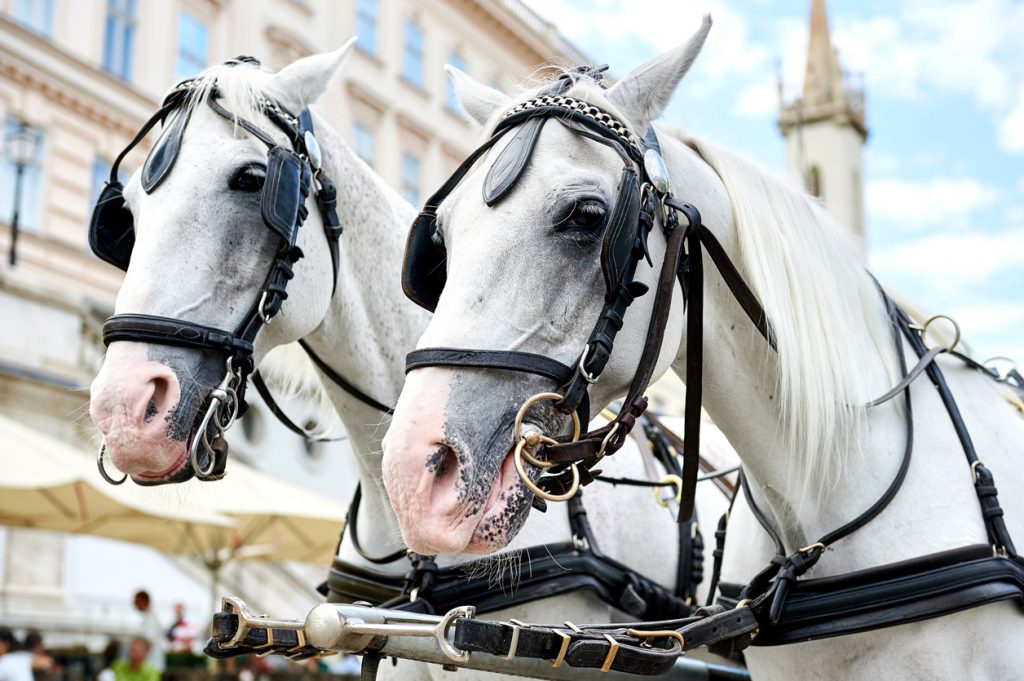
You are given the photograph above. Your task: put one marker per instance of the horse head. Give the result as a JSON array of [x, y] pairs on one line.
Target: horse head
[[225, 214], [527, 244]]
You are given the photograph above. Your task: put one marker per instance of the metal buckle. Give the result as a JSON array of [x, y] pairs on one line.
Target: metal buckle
[[607, 439], [974, 470], [562, 649], [956, 331], [660, 633], [666, 480], [811, 547], [441, 632], [588, 377], [267, 318], [513, 646], [532, 439], [613, 650], [103, 471]]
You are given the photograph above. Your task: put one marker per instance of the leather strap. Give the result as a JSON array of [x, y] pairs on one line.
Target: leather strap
[[342, 383], [177, 332]]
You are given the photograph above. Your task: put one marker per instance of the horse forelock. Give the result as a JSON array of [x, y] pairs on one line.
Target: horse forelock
[[826, 312], [239, 89]]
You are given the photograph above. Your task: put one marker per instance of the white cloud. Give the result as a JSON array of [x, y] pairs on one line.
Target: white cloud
[[989, 318], [953, 47], [758, 99], [937, 201], [952, 262]]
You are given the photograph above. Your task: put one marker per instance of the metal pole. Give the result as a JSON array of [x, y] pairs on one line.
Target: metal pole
[[18, 175]]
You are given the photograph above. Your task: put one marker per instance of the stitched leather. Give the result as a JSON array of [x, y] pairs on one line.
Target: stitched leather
[[165, 152], [510, 164], [281, 195]]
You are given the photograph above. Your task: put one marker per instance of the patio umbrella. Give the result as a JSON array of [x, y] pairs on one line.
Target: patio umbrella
[[48, 484]]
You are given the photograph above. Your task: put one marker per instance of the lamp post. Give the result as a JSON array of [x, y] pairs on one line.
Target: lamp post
[[20, 148]]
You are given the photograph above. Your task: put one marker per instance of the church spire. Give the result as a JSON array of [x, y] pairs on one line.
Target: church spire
[[823, 79]]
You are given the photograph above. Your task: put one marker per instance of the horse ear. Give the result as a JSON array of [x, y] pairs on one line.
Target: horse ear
[[478, 100], [304, 81], [644, 92]]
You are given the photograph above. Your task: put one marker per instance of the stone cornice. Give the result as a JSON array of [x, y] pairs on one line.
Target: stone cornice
[[43, 66]]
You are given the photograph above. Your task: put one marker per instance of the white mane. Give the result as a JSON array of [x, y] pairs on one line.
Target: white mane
[[806, 271], [286, 368]]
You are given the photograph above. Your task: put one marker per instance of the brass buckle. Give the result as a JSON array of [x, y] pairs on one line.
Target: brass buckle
[[534, 438], [562, 650], [676, 482], [613, 650], [660, 633], [934, 318]]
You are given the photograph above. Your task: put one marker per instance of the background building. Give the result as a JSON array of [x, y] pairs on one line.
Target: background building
[[825, 130], [80, 77]]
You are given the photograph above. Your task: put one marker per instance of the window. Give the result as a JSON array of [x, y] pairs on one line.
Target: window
[[30, 218], [366, 25], [814, 181], [451, 101], [119, 38], [192, 47], [35, 14], [363, 143], [411, 178], [412, 54]]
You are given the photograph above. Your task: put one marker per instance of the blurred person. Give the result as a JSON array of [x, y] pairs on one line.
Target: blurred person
[[110, 655], [151, 630], [136, 666], [41, 661], [15, 664], [182, 633]]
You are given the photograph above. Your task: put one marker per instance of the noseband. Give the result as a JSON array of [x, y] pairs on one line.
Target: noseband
[[293, 172]]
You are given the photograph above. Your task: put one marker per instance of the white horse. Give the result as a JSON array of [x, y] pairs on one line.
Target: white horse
[[525, 275], [201, 253]]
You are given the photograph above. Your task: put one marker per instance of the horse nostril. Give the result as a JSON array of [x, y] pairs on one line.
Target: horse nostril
[[443, 462], [157, 403]]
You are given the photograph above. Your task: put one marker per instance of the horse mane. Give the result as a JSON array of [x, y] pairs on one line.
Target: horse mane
[[826, 312]]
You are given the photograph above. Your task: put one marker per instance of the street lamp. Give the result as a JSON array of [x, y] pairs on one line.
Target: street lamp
[[20, 148]]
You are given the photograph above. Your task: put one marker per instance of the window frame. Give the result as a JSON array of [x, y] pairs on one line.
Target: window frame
[[413, 54], [184, 54], [410, 187], [120, 22], [367, 14]]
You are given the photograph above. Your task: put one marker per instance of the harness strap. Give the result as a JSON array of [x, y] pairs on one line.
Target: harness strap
[[898, 593], [342, 382], [984, 485]]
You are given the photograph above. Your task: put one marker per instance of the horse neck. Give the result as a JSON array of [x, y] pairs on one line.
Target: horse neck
[[370, 325], [740, 389]]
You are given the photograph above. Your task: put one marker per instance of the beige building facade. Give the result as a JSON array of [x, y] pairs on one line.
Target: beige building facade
[[83, 75]]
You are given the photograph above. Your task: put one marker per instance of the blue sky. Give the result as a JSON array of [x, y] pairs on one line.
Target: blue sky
[[944, 164]]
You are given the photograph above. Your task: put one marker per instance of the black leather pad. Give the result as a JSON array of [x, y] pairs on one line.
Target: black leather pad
[[424, 268], [111, 229], [510, 164], [622, 226], [165, 152], [282, 192]]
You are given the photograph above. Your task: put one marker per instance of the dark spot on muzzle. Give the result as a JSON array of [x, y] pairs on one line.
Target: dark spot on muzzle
[[198, 372]]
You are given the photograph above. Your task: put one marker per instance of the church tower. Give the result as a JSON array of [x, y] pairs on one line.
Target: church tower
[[825, 130]]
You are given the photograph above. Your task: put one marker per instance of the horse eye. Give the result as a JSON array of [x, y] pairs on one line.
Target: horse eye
[[248, 179], [584, 216]]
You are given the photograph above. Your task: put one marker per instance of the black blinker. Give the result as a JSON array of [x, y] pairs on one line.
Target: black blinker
[[282, 192], [111, 229], [165, 152]]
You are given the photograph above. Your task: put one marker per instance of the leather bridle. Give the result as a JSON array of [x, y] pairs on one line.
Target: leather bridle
[[644, 198], [293, 172]]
